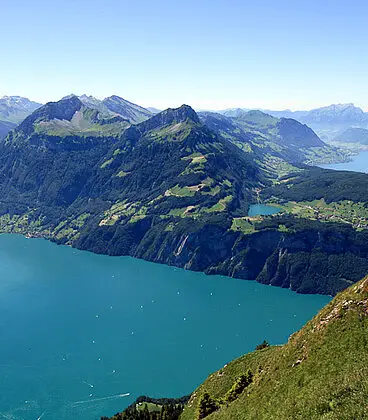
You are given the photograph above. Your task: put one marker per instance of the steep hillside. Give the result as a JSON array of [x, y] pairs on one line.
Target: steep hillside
[[56, 122], [169, 167], [275, 142], [340, 114], [328, 122], [353, 135], [5, 127], [332, 120], [170, 190], [116, 106], [316, 183], [132, 112], [15, 108], [321, 373]]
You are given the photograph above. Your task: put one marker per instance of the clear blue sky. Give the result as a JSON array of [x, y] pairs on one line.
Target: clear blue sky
[[210, 54]]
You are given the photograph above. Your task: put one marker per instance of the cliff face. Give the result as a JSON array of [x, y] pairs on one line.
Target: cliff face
[[307, 261]]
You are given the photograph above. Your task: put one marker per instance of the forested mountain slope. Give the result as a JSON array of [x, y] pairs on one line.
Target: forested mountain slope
[[174, 190], [5, 127], [275, 142]]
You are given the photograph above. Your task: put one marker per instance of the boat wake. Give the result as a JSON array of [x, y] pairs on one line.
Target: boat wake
[[111, 397]]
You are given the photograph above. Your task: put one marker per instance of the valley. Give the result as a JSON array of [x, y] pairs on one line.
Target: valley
[[177, 188], [183, 210]]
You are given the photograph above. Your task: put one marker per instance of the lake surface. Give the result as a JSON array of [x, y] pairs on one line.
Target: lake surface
[[358, 164], [262, 210], [79, 330]]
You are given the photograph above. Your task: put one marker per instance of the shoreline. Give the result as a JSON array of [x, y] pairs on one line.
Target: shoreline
[[207, 273]]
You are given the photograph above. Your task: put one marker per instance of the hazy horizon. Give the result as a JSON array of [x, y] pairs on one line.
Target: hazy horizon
[[198, 109]]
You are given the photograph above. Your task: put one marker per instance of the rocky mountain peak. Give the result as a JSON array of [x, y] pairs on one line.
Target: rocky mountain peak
[[181, 114], [171, 116], [61, 110]]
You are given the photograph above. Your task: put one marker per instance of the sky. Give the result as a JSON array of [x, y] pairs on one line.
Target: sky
[[210, 54]]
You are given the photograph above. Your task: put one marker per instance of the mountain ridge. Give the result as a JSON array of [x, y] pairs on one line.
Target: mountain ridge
[[5, 128], [115, 105], [329, 121], [176, 189], [55, 123], [353, 135], [15, 108], [280, 138]]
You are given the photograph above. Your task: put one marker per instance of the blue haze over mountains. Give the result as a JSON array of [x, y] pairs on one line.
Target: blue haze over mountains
[[337, 122], [341, 123]]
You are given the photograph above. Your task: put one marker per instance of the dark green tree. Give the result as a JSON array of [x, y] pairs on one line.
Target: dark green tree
[[240, 384], [207, 405], [263, 345]]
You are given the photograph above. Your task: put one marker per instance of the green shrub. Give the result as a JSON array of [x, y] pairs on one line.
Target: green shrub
[[240, 384], [207, 405]]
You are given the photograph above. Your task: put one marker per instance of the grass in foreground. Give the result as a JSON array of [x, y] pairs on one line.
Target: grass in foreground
[[321, 373]]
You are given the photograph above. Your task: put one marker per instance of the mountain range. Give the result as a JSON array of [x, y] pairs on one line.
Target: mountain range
[[353, 136], [14, 109], [117, 106], [275, 138], [176, 189], [329, 122]]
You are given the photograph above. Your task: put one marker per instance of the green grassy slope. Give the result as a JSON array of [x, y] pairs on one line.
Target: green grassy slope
[[276, 143], [321, 373], [170, 166], [317, 194], [55, 121]]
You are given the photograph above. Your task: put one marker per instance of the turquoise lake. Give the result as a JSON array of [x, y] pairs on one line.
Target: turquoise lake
[[262, 210], [359, 163], [80, 330]]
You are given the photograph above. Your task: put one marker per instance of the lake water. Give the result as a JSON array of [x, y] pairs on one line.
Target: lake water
[[78, 330], [359, 163], [262, 210]]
